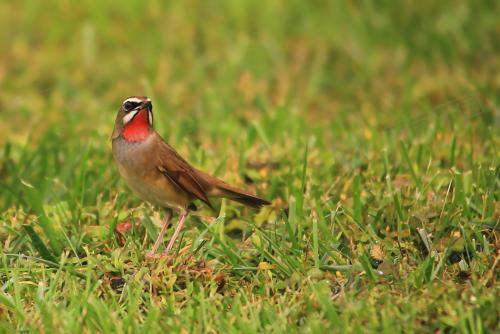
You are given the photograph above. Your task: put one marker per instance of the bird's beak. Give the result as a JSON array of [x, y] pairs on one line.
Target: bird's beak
[[147, 105]]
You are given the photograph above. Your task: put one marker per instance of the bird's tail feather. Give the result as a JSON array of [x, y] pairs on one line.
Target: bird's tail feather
[[219, 188], [242, 196]]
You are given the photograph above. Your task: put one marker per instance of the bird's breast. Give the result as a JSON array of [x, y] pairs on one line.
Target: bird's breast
[[137, 165], [133, 156]]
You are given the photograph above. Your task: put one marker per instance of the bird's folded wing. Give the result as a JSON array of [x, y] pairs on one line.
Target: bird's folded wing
[[179, 172]]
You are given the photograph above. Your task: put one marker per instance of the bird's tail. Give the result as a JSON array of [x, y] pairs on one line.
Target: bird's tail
[[219, 188], [241, 196]]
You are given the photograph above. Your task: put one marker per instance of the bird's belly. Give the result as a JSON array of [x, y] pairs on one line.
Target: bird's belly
[[142, 176], [156, 190]]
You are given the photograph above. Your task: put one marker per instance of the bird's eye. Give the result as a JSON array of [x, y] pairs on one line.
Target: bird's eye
[[129, 105]]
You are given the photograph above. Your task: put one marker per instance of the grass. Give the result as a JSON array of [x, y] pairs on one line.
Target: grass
[[372, 127]]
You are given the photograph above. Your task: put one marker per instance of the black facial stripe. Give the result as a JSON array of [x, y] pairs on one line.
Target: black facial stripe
[[129, 106]]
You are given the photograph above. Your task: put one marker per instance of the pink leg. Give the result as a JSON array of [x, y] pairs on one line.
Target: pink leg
[[176, 232], [166, 220]]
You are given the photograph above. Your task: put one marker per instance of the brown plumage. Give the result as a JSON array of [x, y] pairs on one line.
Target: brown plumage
[[157, 173]]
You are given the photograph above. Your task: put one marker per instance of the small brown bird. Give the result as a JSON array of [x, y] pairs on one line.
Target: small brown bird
[[158, 174]]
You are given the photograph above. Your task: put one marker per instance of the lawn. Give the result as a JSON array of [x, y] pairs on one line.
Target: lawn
[[371, 126]]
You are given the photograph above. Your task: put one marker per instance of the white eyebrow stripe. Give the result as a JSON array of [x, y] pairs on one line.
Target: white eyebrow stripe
[[128, 117], [133, 100]]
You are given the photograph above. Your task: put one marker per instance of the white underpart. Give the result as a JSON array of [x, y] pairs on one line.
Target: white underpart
[[128, 117]]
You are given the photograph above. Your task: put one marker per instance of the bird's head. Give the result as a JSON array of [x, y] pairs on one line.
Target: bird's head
[[134, 119]]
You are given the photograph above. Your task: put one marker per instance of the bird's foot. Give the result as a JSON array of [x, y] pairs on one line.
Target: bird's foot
[[151, 255], [157, 256]]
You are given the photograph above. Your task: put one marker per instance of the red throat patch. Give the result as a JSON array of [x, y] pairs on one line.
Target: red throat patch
[[138, 128]]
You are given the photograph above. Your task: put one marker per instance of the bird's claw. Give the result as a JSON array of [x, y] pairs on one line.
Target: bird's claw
[[157, 256]]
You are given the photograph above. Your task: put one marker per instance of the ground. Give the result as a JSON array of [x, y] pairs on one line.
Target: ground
[[371, 126]]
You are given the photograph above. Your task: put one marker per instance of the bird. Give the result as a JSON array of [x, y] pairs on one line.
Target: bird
[[159, 175]]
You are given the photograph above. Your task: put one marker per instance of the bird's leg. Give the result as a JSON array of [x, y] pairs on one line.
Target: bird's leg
[[178, 229], [166, 220]]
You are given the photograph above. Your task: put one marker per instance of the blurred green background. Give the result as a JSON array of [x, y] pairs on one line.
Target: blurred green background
[[74, 63], [378, 91]]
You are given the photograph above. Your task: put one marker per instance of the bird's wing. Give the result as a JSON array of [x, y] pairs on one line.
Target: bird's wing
[[179, 172]]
